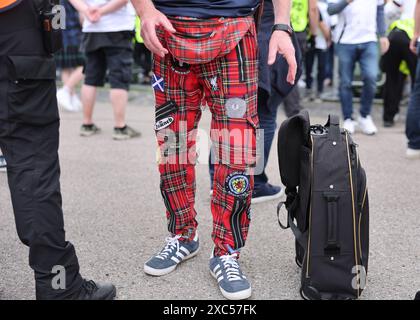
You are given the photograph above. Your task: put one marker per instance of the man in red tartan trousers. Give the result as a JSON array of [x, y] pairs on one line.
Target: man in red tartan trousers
[[205, 52]]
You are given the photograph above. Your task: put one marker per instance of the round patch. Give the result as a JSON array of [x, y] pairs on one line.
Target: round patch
[[235, 107], [237, 184]]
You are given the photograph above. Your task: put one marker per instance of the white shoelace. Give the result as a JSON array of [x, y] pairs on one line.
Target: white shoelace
[[231, 266], [171, 243]]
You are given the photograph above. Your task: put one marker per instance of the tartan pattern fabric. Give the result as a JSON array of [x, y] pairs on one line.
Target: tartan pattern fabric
[[201, 41], [188, 87]]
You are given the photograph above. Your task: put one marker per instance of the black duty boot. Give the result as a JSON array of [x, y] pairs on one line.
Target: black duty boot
[[95, 291]]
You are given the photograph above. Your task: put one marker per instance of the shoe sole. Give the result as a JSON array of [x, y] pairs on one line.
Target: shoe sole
[[122, 138], [88, 134], [410, 157], [111, 295], [162, 272], [268, 198], [240, 295]]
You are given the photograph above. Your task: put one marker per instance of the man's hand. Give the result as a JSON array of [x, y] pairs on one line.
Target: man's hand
[[150, 19], [94, 14], [384, 43], [281, 43], [413, 44]]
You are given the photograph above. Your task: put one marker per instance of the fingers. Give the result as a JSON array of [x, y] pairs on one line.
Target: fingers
[[167, 25], [272, 54], [291, 75], [152, 42]]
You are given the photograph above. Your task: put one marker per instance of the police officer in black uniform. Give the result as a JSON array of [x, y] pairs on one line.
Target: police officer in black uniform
[[29, 136]]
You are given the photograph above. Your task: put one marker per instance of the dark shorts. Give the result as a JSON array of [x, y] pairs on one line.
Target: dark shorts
[[117, 61]]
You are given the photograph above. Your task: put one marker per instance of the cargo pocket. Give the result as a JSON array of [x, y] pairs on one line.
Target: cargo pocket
[[32, 91]]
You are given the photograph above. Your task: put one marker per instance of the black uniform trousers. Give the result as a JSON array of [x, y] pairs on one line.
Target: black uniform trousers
[[29, 139], [399, 50]]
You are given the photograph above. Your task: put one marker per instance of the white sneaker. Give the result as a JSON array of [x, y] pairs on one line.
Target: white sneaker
[[64, 99], [413, 153], [367, 126], [77, 104], [349, 125]]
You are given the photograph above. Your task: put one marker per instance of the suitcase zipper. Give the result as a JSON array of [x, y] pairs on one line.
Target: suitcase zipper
[[360, 223], [354, 211], [310, 210]]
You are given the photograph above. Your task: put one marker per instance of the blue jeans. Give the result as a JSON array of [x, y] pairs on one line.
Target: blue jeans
[[322, 57], [367, 56], [413, 113]]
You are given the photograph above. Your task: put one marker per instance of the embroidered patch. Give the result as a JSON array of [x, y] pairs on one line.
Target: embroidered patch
[[235, 107], [213, 83], [165, 122], [237, 184], [157, 83], [180, 67], [164, 115]]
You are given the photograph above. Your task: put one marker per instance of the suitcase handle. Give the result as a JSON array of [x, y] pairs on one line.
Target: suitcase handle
[[333, 247], [333, 125]]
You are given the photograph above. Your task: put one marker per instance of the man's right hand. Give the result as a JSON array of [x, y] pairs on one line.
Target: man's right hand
[[150, 19]]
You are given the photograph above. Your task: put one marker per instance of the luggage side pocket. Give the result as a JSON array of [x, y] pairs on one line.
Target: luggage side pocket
[[32, 90]]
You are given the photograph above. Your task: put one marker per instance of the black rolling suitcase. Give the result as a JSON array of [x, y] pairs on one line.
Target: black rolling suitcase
[[327, 207]]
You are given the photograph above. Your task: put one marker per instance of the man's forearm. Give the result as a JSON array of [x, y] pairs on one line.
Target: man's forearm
[[417, 20], [112, 6], [313, 16], [282, 11], [142, 6], [335, 8]]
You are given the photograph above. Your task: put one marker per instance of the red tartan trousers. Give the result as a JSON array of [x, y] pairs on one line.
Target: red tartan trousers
[[211, 62]]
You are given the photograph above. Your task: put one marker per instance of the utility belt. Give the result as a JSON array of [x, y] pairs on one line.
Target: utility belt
[[51, 33]]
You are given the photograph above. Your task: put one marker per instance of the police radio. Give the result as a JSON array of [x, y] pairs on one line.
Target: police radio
[[51, 31]]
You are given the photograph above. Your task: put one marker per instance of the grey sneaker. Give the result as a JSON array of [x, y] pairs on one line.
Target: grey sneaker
[[87, 130], [232, 282], [172, 254], [125, 133], [3, 164]]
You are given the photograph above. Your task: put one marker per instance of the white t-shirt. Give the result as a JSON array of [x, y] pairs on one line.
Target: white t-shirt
[[320, 41], [357, 22], [121, 20]]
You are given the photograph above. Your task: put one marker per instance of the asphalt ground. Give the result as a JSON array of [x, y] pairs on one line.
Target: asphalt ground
[[115, 216]]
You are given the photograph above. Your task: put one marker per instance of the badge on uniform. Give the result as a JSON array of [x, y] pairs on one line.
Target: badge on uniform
[[165, 115], [235, 108], [157, 83], [237, 184]]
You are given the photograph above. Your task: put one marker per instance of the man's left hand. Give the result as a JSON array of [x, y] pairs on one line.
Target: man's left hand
[[384, 43], [281, 43]]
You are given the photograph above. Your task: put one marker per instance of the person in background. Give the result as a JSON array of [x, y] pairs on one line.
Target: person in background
[[360, 22], [399, 61], [108, 33], [330, 63], [70, 60], [142, 55], [304, 18], [413, 114], [29, 140], [320, 53]]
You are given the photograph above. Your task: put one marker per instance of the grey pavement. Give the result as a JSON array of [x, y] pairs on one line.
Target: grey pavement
[[115, 217]]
